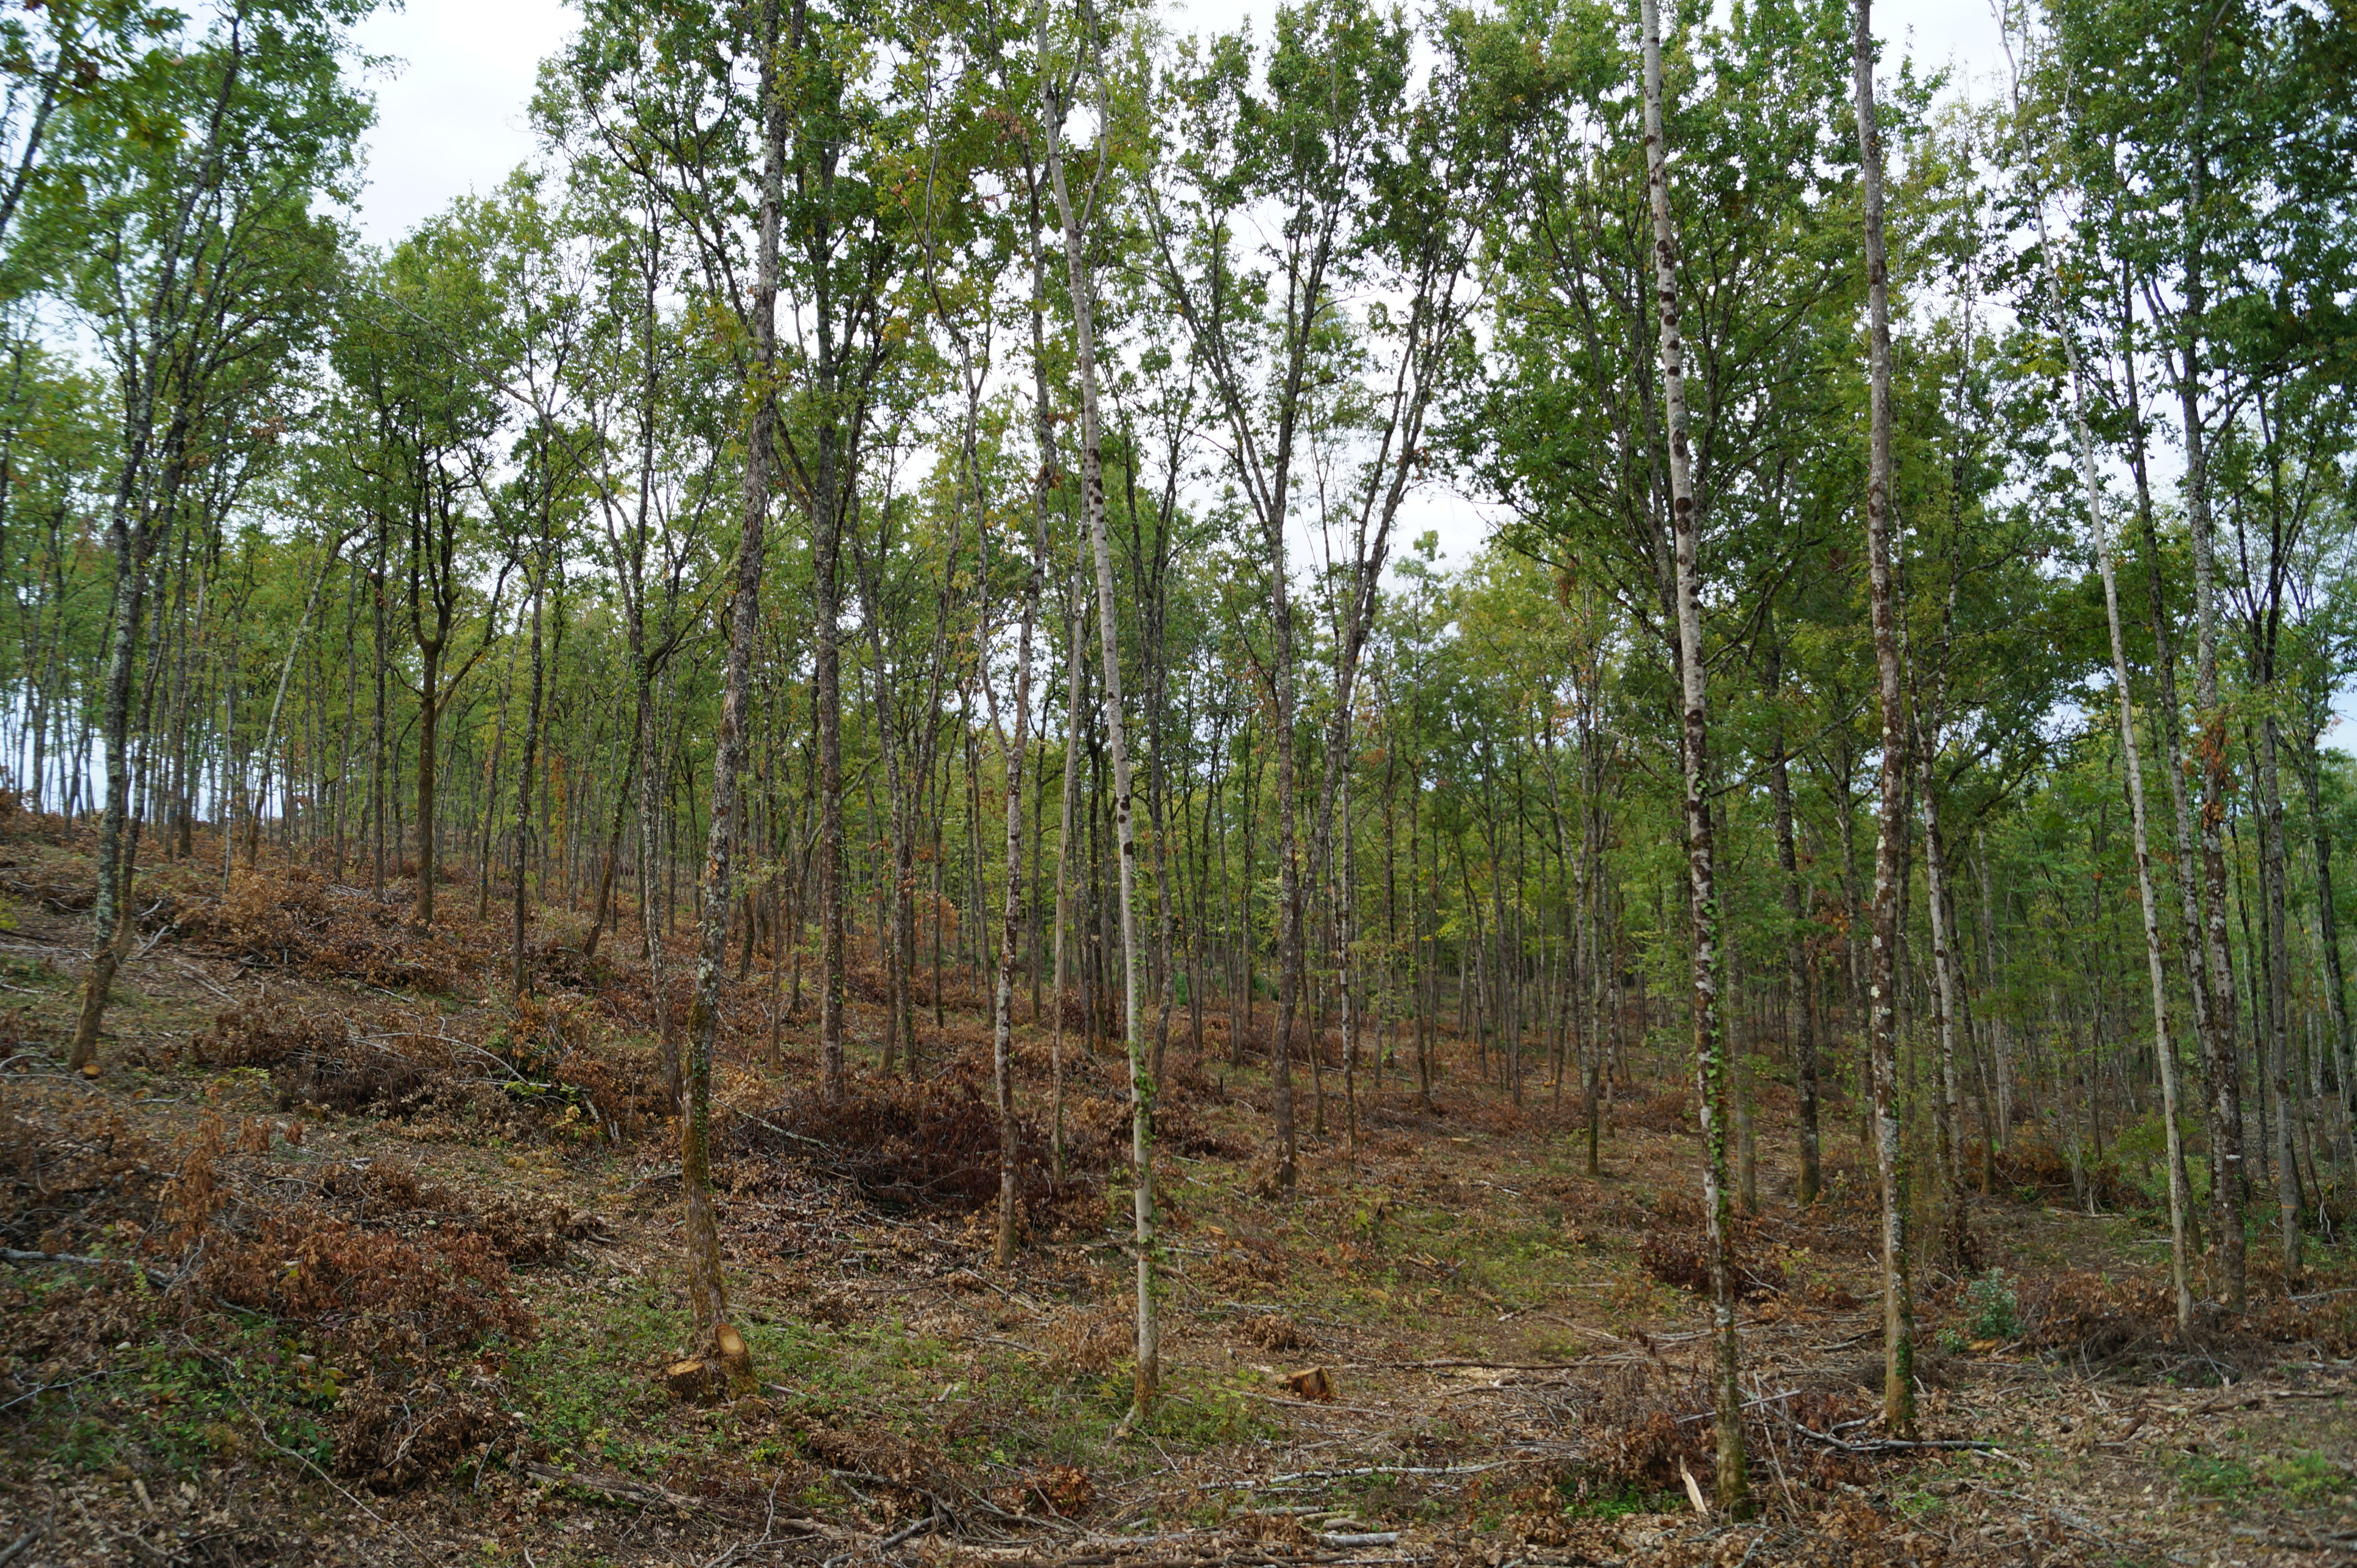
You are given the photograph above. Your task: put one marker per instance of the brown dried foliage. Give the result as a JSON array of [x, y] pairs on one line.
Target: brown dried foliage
[[1680, 1259], [1274, 1331], [69, 1168], [396, 1280], [365, 1294], [2128, 1328], [1065, 1490], [1669, 1110], [261, 1034], [1643, 1421], [521, 1227], [1094, 1338], [870, 1451], [932, 1144], [2033, 1163], [293, 918], [560, 1056], [393, 1435], [355, 1076]]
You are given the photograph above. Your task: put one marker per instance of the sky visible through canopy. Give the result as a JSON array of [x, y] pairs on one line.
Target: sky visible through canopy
[[451, 119]]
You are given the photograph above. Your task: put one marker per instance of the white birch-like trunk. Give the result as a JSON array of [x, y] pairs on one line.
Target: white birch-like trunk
[[1732, 1480]]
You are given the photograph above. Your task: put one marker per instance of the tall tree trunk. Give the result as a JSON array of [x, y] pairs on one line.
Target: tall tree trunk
[[2221, 1063], [2132, 756], [524, 778], [1957, 1238], [2341, 1047], [706, 1290], [429, 722], [110, 913], [137, 517], [827, 669], [1801, 1006], [2278, 980], [1732, 1481], [1013, 745], [654, 782], [1147, 1376], [611, 860], [2222, 1135], [1075, 671], [1898, 1298]]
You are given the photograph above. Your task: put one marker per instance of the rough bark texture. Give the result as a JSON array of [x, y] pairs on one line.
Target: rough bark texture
[[1802, 1002], [2336, 985], [527, 777], [2221, 1066], [2278, 984], [2164, 1050], [1732, 1482], [707, 1294], [1956, 1240], [1014, 746], [1898, 1303]]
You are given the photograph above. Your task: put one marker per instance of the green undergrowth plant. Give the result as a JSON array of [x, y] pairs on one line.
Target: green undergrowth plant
[[2301, 1479], [1619, 1502], [165, 1403]]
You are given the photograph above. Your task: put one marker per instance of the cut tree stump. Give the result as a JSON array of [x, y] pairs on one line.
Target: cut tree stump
[[695, 1382], [727, 1374], [735, 1362], [1311, 1383]]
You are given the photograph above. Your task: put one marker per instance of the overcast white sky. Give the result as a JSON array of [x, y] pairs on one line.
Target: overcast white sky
[[451, 119], [451, 115], [450, 111]]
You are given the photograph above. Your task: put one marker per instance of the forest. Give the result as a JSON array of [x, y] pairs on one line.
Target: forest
[[864, 648]]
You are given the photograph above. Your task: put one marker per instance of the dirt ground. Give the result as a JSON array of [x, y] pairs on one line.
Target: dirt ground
[[346, 1259]]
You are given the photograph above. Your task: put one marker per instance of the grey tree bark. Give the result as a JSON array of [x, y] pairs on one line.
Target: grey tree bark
[[1732, 1480], [1898, 1295]]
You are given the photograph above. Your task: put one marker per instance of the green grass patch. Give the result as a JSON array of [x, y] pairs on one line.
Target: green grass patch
[[2301, 1479]]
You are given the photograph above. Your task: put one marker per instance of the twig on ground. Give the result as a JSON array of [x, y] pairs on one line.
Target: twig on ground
[[204, 980], [1899, 1445], [1380, 1470], [262, 1430], [155, 1276]]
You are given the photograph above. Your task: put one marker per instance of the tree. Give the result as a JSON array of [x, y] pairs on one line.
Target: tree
[[198, 264], [1898, 1303], [707, 1294], [1076, 218], [1710, 1067]]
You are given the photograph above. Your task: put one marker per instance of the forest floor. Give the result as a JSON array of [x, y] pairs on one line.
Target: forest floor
[[399, 1278]]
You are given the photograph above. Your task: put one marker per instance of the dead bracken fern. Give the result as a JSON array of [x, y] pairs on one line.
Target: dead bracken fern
[[931, 1144], [293, 918], [397, 1289]]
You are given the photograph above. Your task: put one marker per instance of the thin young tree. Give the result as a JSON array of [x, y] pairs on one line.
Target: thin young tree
[[707, 1291], [1897, 1292], [1731, 1480], [2131, 754], [1080, 280]]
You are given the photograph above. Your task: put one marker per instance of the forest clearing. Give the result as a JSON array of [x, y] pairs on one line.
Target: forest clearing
[[1545, 784], [398, 1310]]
